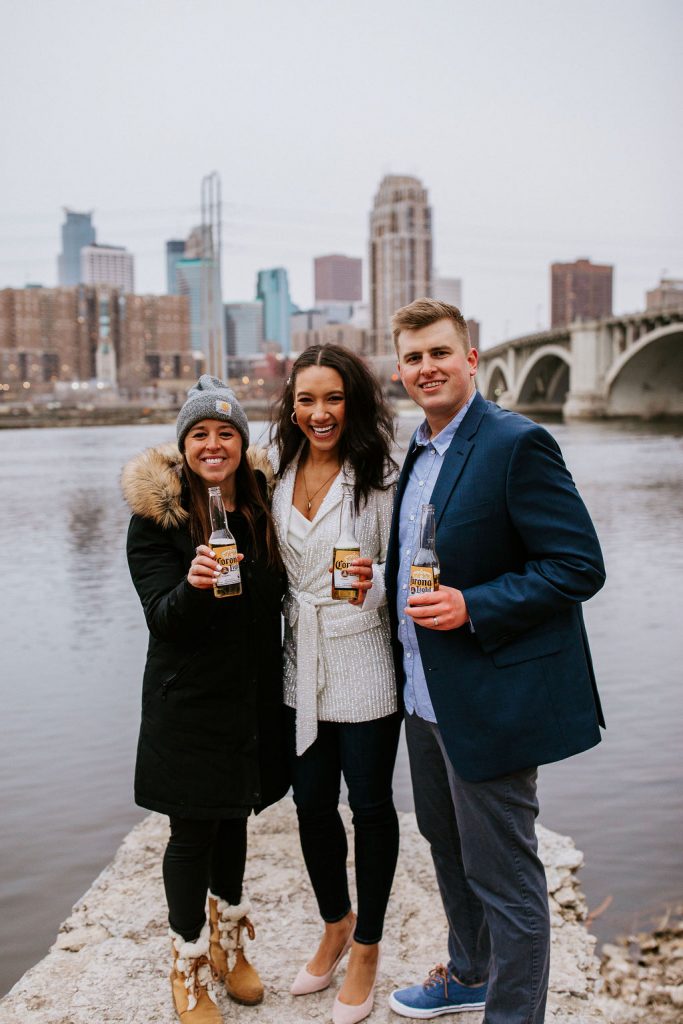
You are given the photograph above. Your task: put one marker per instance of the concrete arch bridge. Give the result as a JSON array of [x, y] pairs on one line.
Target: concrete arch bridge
[[618, 366]]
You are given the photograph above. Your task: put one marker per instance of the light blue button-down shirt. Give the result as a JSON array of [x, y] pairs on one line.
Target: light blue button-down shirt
[[423, 476]]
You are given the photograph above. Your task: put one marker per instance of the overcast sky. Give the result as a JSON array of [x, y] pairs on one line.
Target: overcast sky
[[543, 131]]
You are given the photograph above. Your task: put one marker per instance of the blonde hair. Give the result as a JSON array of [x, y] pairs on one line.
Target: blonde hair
[[424, 313]]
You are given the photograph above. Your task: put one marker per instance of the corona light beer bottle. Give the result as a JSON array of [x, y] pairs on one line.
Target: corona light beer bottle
[[229, 583], [425, 571], [344, 583]]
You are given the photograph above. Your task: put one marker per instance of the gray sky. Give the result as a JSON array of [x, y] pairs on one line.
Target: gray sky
[[543, 130]]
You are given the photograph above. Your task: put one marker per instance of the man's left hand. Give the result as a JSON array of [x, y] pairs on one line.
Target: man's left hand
[[441, 609]]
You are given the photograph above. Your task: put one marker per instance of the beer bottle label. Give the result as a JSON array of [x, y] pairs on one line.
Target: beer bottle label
[[343, 572], [423, 579], [226, 556]]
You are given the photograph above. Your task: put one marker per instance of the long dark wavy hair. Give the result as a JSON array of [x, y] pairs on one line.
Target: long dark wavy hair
[[250, 502], [368, 435]]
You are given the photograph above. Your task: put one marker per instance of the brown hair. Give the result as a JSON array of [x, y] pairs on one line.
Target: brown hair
[[368, 434], [250, 500], [424, 313]]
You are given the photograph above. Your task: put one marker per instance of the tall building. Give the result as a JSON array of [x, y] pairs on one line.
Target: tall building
[[244, 328], [667, 295], [448, 289], [473, 329], [198, 277], [272, 288], [400, 253], [175, 250], [580, 291], [189, 281], [77, 232], [110, 265], [338, 279]]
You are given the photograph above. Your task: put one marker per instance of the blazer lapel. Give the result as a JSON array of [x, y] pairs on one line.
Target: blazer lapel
[[392, 546], [334, 496], [457, 455]]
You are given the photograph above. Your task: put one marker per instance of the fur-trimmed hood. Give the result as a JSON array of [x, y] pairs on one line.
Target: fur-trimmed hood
[[152, 485]]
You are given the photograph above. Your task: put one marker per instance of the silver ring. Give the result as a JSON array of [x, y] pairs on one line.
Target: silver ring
[[436, 621]]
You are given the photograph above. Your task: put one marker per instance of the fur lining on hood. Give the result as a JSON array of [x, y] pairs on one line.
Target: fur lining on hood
[[151, 483]]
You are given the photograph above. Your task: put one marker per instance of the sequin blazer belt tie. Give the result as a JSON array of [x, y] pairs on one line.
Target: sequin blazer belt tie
[[310, 666]]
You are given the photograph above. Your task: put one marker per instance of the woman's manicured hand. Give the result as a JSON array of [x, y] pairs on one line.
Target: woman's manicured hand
[[204, 569], [363, 570]]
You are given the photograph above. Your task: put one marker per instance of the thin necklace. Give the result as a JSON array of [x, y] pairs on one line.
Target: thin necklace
[[310, 497]]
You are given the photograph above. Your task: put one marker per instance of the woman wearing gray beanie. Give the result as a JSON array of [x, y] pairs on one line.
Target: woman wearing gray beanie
[[211, 739]]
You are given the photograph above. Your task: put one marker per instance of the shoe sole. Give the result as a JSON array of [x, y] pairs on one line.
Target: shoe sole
[[244, 1002], [415, 1014]]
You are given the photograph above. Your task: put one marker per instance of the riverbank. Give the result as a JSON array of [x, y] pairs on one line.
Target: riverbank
[[85, 414], [110, 961], [643, 973]]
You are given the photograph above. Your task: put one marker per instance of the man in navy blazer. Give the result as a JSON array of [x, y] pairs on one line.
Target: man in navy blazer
[[494, 666]]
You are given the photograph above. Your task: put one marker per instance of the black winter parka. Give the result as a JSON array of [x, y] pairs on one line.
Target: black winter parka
[[211, 738]]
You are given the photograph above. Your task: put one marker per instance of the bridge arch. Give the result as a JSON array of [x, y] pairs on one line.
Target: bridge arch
[[647, 379], [544, 380], [496, 380]]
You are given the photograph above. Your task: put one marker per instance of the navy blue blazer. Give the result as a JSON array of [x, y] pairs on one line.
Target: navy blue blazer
[[514, 536]]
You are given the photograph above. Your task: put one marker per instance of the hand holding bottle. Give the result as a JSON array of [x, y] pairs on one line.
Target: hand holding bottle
[[444, 608], [204, 569], [362, 569]]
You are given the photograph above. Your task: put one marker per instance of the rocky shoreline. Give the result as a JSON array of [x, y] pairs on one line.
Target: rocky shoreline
[[110, 961], [643, 974]]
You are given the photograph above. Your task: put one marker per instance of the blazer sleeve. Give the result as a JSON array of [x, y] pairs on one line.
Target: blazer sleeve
[[563, 564], [376, 597], [174, 610]]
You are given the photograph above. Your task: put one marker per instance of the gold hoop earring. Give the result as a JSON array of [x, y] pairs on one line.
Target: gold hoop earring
[[294, 419]]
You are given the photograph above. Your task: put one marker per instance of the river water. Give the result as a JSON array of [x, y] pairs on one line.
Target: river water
[[73, 641]]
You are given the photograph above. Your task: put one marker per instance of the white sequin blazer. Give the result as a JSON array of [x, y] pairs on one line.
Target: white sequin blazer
[[338, 660]]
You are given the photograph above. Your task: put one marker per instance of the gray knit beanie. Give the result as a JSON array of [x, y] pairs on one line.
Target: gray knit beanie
[[211, 399]]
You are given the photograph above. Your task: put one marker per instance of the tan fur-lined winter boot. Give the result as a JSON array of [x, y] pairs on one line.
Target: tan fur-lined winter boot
[[192, 980], [228, 924]]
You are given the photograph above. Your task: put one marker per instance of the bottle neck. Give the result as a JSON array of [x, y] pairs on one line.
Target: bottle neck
[[219, 520], [427, 528], [348, 519]]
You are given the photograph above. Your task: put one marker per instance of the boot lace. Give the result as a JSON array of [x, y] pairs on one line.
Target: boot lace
[[198, 973]]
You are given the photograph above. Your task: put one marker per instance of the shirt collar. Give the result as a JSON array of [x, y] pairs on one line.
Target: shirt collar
[[443, 439]]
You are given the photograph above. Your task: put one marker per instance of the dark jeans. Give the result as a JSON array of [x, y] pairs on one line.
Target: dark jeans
[[202, 855], [365, 753], [492, 884]]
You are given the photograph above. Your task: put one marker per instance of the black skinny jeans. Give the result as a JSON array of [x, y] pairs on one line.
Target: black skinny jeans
[[202, 855], [365, 753]]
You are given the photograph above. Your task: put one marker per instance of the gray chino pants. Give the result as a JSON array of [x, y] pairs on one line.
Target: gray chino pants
[[492, 883]]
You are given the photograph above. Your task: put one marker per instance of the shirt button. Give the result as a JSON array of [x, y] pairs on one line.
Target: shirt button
[[404, 587], [408, 654], [422, 483], [412, 519], [403, 622], [432, 451]]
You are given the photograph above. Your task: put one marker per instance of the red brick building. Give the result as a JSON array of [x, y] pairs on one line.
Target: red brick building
[[580, 291], [338, 279], [51, 336]]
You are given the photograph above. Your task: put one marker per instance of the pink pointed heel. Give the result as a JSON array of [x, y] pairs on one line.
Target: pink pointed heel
[[305, 982], [345, 1013]]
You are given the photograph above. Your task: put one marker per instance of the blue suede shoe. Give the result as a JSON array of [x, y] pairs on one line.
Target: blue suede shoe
[[440, 993]]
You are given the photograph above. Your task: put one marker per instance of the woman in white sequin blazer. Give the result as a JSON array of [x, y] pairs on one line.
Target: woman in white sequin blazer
[[333, 427]]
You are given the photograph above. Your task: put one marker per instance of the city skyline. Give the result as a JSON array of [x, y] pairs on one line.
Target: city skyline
[[526, 161]]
